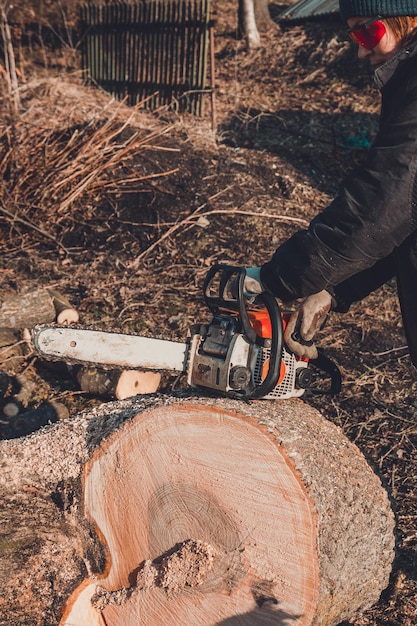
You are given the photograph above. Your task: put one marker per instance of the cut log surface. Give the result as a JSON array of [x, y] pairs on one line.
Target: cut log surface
[[205, 511], [64, 312]]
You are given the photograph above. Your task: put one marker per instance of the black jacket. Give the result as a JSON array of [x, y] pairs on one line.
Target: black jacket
[[368, 234]]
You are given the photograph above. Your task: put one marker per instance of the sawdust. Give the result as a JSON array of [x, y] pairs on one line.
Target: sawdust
[[185, 567]]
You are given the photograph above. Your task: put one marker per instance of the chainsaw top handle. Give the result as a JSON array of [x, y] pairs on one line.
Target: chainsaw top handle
[[224, 291]]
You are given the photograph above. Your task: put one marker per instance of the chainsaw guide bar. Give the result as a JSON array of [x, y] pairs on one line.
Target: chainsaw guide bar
[[107, 349]]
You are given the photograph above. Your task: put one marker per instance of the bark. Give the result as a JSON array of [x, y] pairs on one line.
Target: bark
[[119, 384], [40, 306], [253, 17], [190, 510]]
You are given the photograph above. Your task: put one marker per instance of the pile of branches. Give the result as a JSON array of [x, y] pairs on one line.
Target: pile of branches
[[57, 164]]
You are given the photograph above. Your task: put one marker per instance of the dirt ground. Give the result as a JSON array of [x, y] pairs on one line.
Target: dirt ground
[[124, 212]]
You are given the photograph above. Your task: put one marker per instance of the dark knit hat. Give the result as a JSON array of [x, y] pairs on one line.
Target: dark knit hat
[[372, 8]]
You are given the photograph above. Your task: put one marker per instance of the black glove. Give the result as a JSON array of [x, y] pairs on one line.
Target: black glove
[[305, 322]]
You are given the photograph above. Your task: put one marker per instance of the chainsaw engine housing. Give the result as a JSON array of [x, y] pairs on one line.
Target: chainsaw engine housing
[[222, 358]]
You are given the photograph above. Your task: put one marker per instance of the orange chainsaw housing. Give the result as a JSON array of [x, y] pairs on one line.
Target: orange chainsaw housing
[[261, 323]]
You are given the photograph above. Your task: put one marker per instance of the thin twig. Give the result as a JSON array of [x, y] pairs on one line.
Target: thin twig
[[279, 217], [192, 220], [16, 218], [137, 179], [135, 263]]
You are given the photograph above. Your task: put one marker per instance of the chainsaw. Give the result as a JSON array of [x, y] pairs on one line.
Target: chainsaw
[[240, 353]]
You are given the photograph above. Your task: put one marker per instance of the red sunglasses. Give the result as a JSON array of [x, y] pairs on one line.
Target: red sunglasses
[[369, 34]]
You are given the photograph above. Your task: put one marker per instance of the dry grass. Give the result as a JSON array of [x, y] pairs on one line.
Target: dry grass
[[53, 157]]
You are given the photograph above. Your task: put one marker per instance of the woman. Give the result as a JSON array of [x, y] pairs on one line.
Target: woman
[[368, 234]]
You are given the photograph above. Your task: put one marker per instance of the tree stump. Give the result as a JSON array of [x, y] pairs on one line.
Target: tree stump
[[185, 511]]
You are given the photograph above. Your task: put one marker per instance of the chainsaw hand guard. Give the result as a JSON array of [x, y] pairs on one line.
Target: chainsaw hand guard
[[224, 292]]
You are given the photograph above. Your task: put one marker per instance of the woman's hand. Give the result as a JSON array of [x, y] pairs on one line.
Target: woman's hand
[[305, 322]]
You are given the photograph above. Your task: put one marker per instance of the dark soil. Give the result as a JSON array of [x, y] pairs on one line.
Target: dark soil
[[131, 249]]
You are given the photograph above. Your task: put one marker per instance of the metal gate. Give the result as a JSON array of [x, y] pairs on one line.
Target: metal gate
[[153, 52]]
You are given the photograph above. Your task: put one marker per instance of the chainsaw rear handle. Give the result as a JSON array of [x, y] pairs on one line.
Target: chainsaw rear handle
[[296, 336], [229, 296], [277, 342], [323, 363]]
